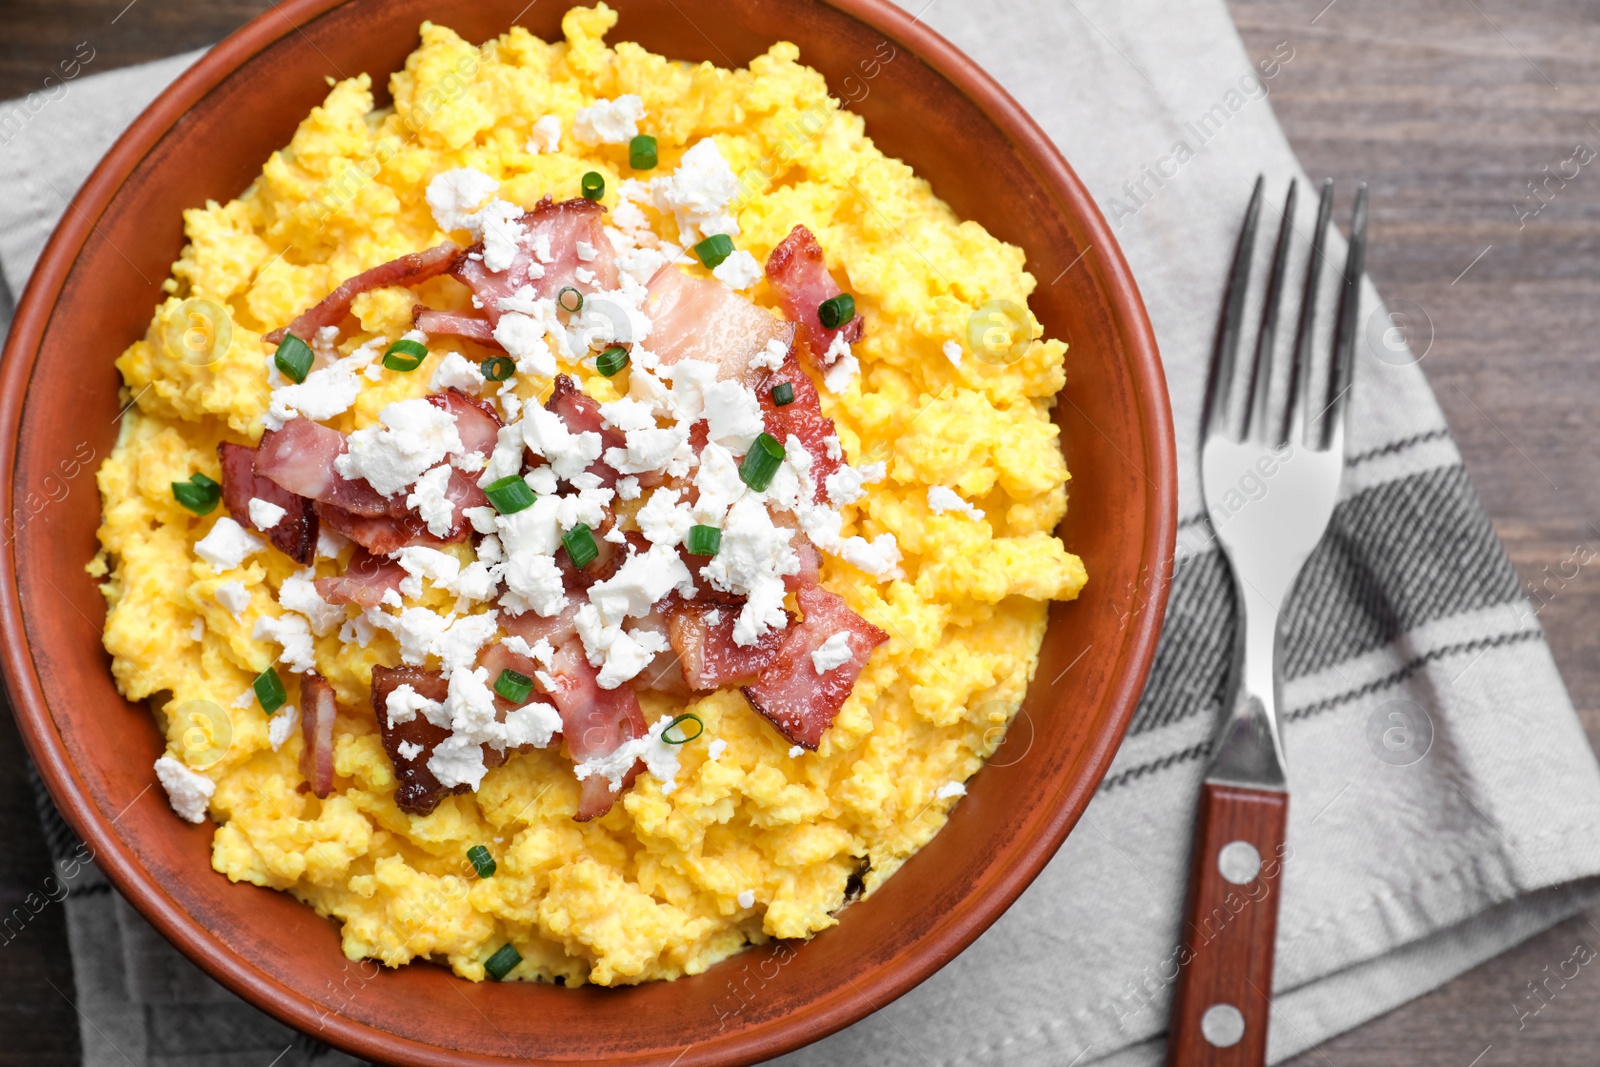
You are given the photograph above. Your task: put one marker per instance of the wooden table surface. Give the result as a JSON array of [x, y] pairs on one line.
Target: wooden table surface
[[1449, 108]]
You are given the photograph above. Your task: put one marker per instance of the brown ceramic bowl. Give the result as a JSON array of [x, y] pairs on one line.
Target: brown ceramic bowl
[[92, 294]]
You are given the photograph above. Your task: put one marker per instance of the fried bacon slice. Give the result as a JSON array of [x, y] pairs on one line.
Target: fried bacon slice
[[317, 712], [413, 268], [802, 417], [702, 638], [798, 272], [418, 791], [800, 701], [364, 581], [554, 229], [700, 318], [596, 722], [295, 535]]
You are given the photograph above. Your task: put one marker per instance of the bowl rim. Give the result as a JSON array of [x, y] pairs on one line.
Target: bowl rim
[[891, 979]]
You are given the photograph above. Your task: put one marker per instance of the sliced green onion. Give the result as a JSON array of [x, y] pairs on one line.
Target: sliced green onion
[[509, 495], [642, 152], [199, 494], [514, 686], [497, 368], [269, 690], [294, 358], [570, 303], [593, 185], [699, 728], [714, 249], [782, 393], [761, 462], [580, 545], [611, 360], [405, 355], [837, 310], [482, 862], [704, 540], [501, 963]]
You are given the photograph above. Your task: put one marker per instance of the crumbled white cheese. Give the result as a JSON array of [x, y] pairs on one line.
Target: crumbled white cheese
[[733, 415], [952, 352], [540, 651], [659, 448], [642, 580], [265, 514], [505, 460], [330, 542], [753, 560], [357, 631], [533, 583], [455, 194], [835, 449], [951, 789], [585, 251], [233, 596], [942, 499], [628, 488], [455, 371], [285, 721], [228, 543], [833, 653], [715, 750], [628, 653], [405, 702], [546, 435], [430, 498], [187, 792], [746, 898], [546, 135], [843, 366], [535, 723], [502, 231], [845, 485], [698, 193], [660, 759], [770, 357], [739, 271], [879, 557], [664, 519], [718, 484], [298, 593], [796, 751], [197, 630], [458, 644], [412, 436], [409, 750], [609, 121], [293, 632], [641, 264], [326, 392], [420, 561]]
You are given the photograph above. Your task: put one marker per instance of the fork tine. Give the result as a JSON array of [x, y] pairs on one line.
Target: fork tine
[[1294, 412], [1219, 389], [1342, 365], [1260, 390]]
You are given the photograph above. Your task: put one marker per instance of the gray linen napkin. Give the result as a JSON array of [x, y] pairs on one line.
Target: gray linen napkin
[[1443, 790]]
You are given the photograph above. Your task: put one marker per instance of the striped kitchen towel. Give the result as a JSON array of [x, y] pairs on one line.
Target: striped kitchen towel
[[1443, 790]]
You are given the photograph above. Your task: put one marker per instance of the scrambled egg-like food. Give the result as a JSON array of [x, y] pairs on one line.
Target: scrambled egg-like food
[[757, 840]]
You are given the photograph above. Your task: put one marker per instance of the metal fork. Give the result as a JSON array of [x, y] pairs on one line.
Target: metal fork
[[1270, 481]]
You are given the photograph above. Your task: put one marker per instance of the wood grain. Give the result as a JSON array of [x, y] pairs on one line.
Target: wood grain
[[1230, 927], [1444, 106]]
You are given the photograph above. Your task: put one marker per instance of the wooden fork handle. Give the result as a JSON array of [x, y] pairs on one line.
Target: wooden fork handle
[[1222, 1000]]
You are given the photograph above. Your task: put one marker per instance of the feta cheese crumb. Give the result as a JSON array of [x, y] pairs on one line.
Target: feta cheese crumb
[[843, 366], [951, 789], [796, 751], [771, 357], [455, 371], [585, 251], [430, 497], [660, 759], [715, 750], [233, 596], [265, 514], [698, 193], [283, 725], [405, 702], [609, 121], [738, 271], [412, 436], [942, 499], [455, 194], [292, 632], [409, 750], [330, 542], [747, 898], [227, 545], [298, 593], [834, 653], [952, 352], [187, 792], [546, 135]]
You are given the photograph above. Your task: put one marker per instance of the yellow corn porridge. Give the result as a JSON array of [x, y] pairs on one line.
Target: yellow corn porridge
[[756, 837]]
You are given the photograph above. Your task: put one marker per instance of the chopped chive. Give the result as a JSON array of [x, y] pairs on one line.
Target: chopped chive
[[837, 310], [482, 862], [269, 690], [497, 368], [613, 359], [294, 358], [593, 185], [761, 463], [699, 728], [642, 152], [580, 545], [714, 249], [405, 355], [704, 540], [502, 962], [199, 494], [509, 495], [570, 303], [514, 686], [782, 393]]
